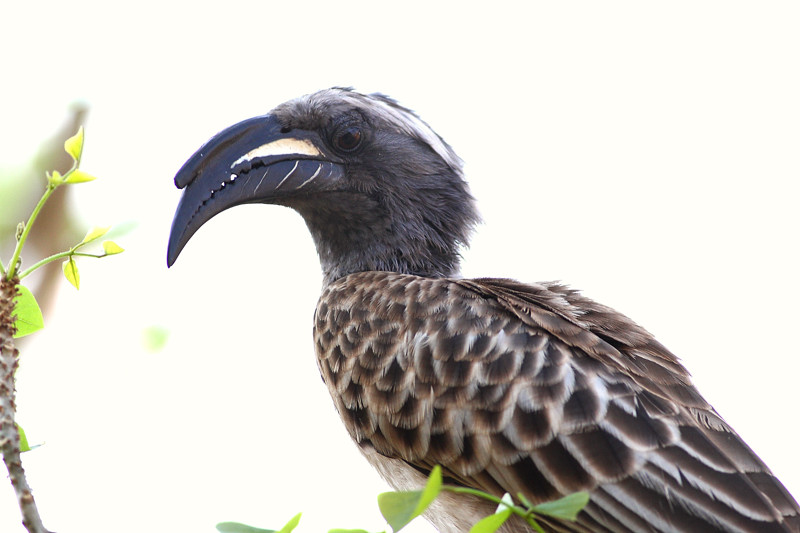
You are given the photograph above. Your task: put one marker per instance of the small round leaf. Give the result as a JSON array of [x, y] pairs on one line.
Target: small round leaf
[[70, 269], [291, 524], [95, 233], [28, 315], [154, 338], [400, 508], [566, 508], [74, 145], [491, 523], [55, 178], [23, 440], [112, 248], [236, 527], [78, 176]]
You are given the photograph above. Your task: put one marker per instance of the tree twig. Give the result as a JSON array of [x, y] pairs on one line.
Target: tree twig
[[9, 435]]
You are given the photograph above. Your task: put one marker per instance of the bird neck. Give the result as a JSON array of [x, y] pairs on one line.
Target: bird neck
[[357, 233]]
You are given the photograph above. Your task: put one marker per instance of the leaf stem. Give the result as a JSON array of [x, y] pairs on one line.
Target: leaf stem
[[478, 493], [525, 514], [69, 253], [12, 266]]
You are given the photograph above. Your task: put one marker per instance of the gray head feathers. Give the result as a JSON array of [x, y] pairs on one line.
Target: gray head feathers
[[404, 207], [321, 105]]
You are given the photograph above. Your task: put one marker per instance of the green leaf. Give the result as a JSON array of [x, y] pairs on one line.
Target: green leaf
[[26, 310], [566, 508], [55, 178], [400, 508], [491, 523], [154, 338], [23, 440], [236, 527], [535, 525], [112, 248], [291, 524], [74, 145], [525, 501], [71, 272], [78, 176], [432, 489], [95, 233]]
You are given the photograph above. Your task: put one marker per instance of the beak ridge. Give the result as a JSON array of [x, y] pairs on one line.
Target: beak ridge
[[254, 161]]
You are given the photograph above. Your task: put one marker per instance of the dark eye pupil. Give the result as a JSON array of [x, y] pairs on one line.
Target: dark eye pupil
[[349, 139]]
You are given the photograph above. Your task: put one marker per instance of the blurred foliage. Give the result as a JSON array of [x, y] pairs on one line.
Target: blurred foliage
[[154, 338], [58, 224], [19, 310], [400, 508], [28, 315]]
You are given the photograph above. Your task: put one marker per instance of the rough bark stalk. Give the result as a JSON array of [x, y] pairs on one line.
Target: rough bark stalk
[[9, 436]]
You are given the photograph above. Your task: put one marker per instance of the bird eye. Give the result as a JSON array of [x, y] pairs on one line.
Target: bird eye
[[348, 139]]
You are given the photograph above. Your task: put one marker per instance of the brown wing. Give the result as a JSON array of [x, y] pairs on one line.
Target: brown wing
[[535, 389]]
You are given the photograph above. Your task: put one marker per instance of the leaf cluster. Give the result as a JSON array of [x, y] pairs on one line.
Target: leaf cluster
[[28, 315], [399, 508]]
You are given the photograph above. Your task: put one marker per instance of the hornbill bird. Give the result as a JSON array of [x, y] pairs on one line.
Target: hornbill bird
[[510, 387]]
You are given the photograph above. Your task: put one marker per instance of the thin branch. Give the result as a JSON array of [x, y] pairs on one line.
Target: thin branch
[[525, 514], [55, 257], [9, 435], [12, 265]]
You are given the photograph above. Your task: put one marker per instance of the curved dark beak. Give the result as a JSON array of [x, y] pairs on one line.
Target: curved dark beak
[[253, 161]]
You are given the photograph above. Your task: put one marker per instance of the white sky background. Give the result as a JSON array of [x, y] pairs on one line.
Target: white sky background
[[644, 153]]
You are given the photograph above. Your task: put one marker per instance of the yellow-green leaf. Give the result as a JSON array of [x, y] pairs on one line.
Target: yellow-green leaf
[[112, 248], [71, 272], [55, 178], [432, 489], [154, 338], [491, 523], [74, 145], [291, 524], [566, 508], [95, 233], [400, 508], [78, 176], [23, 440], [28, 316], [236, 527]]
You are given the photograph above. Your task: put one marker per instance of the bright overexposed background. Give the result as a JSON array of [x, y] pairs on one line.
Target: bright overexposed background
[[645, 153]]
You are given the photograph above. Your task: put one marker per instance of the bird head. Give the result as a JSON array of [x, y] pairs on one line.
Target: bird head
[[377, 188]]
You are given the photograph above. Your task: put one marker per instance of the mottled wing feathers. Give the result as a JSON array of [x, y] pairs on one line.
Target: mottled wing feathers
[[536, 389]]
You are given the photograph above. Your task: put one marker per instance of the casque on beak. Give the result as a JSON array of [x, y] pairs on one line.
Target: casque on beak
[[254, 161]]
